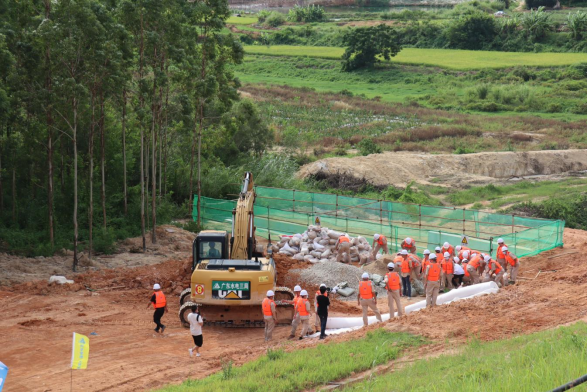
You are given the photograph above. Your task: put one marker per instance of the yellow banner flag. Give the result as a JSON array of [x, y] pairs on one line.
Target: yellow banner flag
[[80, 351]]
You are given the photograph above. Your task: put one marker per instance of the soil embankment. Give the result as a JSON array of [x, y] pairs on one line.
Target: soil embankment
[[400, 168]]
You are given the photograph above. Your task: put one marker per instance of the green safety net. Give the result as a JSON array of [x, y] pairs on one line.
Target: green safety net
[[286, 212]]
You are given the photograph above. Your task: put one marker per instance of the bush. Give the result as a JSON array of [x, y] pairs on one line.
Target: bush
[[310, 13], [262, 15], [367, 147], [474, 31], [536, 24], [104, 241], [577, 24], [572, 209], [368, 45], [275, 19]]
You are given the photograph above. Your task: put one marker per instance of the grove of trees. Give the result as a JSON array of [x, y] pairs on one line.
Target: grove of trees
[[109, 109]]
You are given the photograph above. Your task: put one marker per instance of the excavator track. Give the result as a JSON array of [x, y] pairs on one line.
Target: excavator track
[[285, 312]]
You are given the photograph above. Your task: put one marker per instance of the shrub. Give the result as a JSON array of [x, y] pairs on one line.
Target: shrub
[[310, 13], [473, 31], [262, 15], [367, 147], [577, 24], [572, 209], [275, 19], [367, 45], [536, 24]]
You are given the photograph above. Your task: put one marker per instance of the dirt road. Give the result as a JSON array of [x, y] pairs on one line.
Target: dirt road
[[126, 355]]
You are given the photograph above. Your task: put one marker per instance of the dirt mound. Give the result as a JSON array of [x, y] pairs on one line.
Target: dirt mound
[[400, 168]]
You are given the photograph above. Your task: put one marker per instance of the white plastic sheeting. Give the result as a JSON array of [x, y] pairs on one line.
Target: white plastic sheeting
[[334, 323]]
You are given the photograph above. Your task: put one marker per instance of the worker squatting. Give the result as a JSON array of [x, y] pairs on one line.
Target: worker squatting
[[448, 267]]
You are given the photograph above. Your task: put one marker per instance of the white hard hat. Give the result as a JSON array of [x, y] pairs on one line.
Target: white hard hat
[[446, 245], [303, 293], [403, 252], [376, 236], [433, 256], [365, 275], [390, 265], [458, 248], [486, 258], [408, 240], [322, 285], [270, 293], [456, 259], [297, 288], [437, 248], [504, 249], [427, 252], [346, 235], [446, 255], [156, 286], [500, 241], [466, 254]]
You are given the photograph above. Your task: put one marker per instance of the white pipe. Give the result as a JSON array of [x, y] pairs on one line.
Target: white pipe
[[453, 295]]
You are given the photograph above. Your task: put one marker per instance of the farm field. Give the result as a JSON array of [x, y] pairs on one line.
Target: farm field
[[444, 58]]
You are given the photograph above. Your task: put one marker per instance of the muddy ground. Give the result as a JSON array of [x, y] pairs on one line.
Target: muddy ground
[[400, 168], [110, 306]]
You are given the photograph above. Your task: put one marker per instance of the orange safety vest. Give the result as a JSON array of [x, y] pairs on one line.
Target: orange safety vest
[[159, 300], [510, 260], [326, 294], [266, 306], [405, 266], [381, 240], [301, 307], [426, 263], [461, 252], [448, 250], [343, 239], [434, 272], [393, 281], [365, 289], [465, 269], [447, 266], [499, 252], [404, 245], [497, 268], [295, 300], [475, 262]]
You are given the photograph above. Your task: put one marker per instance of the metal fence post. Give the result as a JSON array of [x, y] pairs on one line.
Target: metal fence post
[[293, 200], [464, 221], [380, 214], [419, 217], [512, 225], [336, 204]]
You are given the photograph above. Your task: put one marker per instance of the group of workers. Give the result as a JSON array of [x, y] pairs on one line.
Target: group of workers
[[301, 312]]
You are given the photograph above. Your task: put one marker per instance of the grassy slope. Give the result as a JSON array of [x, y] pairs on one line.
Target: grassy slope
[[537, 362], [445, 58], [301, 369]]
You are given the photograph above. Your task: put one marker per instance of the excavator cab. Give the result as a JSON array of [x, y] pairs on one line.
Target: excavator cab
[[210, 245]]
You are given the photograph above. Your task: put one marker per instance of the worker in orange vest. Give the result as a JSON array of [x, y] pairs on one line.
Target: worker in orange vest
[[380, 242], [303, 308], [447, 271], [467, 279], [405, 274], [432, 277], [425, 263], [160, 305], [342, 248], [513, 263], [392, 281], [268, 306], [367, 298], [475, 268], [415, 267], [296, 319], [409, 244], [495, 271], [447, 248], [500, 258], [317, 320]]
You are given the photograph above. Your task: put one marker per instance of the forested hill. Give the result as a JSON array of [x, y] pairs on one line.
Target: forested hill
[[103, 105]]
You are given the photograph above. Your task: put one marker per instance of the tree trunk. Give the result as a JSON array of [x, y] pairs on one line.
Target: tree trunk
[[199, 155], [1, 188], [147, 178], [124, 149], [153, 159], [49, 120], [102, 159], [13, 193], [91, 173], [75, 211], [62, 168], [194, 137], [165, 147], [141, 104]]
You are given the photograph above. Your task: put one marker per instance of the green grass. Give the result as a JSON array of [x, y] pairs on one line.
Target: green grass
[[445, 58], [242, 20], [301, 369], [521, 191], [536, 362]]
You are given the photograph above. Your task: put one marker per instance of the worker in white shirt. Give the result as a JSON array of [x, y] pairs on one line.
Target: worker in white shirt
[[458, 272]]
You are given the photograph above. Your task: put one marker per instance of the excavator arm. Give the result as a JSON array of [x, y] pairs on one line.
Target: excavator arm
[[243, 244]]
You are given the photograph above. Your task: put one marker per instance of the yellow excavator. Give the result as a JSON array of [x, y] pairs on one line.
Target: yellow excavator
[[231, 276]]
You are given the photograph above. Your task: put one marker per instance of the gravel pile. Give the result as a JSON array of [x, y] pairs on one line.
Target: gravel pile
[[332, 273]]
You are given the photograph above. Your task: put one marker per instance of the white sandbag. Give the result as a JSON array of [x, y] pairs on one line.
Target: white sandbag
[[355, 241], [294, 242], [332, 242], [314, 261], [363, 258], [379, 256], [324, 242], [353, 251], [354, 258], [299, 257], [308, 258], [362, 240], [287, 248], [304, 238], [317, 245], [286, 252], [326, 254], [316, 254], [360, 247], [311, 235], [334, 234], [323, 260], [275, 248]]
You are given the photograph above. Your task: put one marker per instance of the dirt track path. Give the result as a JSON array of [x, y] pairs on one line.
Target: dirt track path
[[126, 355]]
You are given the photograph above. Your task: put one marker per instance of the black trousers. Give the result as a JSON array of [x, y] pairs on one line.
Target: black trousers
[[457, 280], [323, 319], [157, 318], [406, 289]]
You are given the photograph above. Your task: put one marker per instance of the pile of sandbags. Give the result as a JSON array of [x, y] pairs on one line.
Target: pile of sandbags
[[317, 244]]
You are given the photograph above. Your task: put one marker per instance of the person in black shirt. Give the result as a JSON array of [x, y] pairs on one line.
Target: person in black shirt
[[323, 310]]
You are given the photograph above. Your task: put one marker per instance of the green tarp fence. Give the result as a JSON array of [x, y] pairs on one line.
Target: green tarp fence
[[286, 212]]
